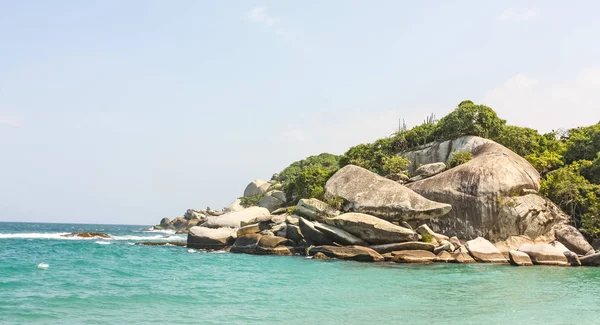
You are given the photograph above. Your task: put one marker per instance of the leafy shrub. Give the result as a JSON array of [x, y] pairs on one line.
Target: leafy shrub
[[546, 161], [469, 119], [427, 238], [395, 164], [459, 157], [249, 201], [306, 178], [335, 202], [291, 209]]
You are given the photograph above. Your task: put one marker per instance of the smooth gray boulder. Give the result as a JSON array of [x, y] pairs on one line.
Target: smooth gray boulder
[[272, 201], [490, 194], [312, 235], [366, 192], [353, 253], [428, 170], [484, 251], [234, 206], [234, 219], [246, 244], [572, 258], [517, 258], [406, 246], [373, 230], [573, 240], [208, 238], [164, 222], [256, 187], [590, 260], [544, 254], [338, 235], [315, 210], [413, 256]]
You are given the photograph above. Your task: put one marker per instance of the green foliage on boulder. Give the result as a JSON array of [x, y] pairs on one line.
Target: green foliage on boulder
[[545, 161], [469, 119], [395, 164], [459, 157], [250, 201], [306, 178], [583, 143]]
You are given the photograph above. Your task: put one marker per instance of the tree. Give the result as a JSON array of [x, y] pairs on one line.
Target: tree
[[395, 164], [307, 177], [546, 161], [469, 119], [459, 157], [420, 135], [583, 143], [523, 141]]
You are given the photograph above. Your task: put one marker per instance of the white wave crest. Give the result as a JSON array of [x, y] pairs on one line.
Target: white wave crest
[[60, 236], [103, 242], [191, 250], [43, 266]]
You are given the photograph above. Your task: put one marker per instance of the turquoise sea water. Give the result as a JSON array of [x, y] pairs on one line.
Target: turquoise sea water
[[114, 282]]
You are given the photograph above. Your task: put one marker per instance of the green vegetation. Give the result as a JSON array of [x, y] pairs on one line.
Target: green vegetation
[[568, 161], [335, 202], [459, 158], [250, 201], [426, 238]]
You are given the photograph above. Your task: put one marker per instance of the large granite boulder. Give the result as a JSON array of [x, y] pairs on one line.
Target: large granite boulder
[[484, 251], [572, 258], [371, 229], [246, 244], [406, 246], [312, 235], [590, 260], [272, 200], [234, 206], [512, 243], [192, 214], [366, 192], [573, 240], [208, 238], [445, 257], [354, 253], [234, 219], [428, 170], [544, 254], [256, 187], [490, 194], [413, 256], [338, 235], [164, 223], [315, 210], [518, 258]]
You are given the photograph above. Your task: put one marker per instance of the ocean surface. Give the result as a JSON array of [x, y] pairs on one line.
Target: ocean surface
[[98, 281]]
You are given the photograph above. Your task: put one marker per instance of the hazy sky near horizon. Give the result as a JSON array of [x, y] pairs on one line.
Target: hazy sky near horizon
[[129, 111]]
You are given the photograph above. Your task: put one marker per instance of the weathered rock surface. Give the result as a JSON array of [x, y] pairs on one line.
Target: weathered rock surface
[[338, 235], [482, 192], [518, 258], [208, 238], [234, 219], [367, 192], [428, 170], [445, 257], [315, 210], [234, 206], [272, 200], [320, 256], [512, 243], [87, 234], [572, 258], [371, 229], [413, 257], [462, 257], [484, 251], [293, 232], [590, 260], [249, 229], [164, 223], [406, 246], [354, 253], [573, 240], [256, 187], [544, 254], [192, 214], [424, 230], [312, 235]]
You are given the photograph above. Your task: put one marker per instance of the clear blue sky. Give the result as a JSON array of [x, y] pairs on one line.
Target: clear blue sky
[[129, 111]]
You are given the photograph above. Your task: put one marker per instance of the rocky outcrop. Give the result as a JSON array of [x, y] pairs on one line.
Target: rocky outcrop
[[312, 235], [413, 256], [484, 251], [572, 258], [512, 243], [164, 223], [256, 187], [273, 200], [517, 258], [590, 260], [428, 170], [573, 240], [87, 234], [315, 210], [234, 206], [406, 246], [208, 238], [354, 253], [371, 229], [544, 254], [338, 235], [486, 193], [234, 219], [367, 192], [445, 257]]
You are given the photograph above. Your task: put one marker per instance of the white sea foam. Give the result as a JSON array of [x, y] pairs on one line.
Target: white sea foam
[[43, 266], [191, 250], [59, 235], [103, 242], [163, 231]]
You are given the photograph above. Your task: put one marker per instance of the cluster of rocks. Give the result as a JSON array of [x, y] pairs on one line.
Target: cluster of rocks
[[486, 210]]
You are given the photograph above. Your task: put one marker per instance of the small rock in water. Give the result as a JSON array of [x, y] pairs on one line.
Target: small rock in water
[[43, 266]]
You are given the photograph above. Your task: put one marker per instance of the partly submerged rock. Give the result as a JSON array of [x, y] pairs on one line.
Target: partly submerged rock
[[462, 257], [484, 251], [590, 260], [518, 258], [512, 243], [234, 219], [366, 192], [486, 193], [87, 234], [413, 256], [373, 230], [354, 253], [209, 238], [572, 258], [446, 257], [315, 210], [405, 246], [544, 254], [573, 240]]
